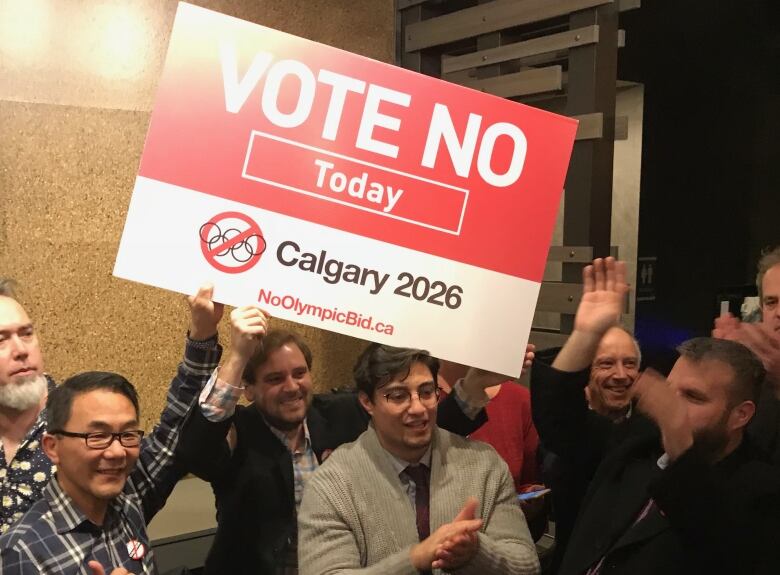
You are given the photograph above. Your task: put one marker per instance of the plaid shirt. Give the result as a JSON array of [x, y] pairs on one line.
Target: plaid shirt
[[23, 479], [55, 537]]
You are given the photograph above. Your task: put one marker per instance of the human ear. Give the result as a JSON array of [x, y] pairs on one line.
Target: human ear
[[49, 444], [367, 404]]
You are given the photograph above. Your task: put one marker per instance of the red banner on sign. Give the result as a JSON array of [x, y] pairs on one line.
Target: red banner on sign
[[333, 138]]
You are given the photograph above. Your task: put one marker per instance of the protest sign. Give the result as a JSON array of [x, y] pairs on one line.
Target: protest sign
[[345, 193]]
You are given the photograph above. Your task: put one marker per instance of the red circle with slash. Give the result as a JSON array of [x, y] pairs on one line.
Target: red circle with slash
[[212, 250]]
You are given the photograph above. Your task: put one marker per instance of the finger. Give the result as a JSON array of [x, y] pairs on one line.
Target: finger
[[96, 568], [621, 285], [468, 511], [467, 525], [599, 277], [754, 338], [206, 291], [588, 279], [609, 274], [646, 380]]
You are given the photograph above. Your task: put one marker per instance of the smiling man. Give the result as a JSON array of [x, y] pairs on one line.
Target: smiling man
[[612, 373], [677, 488], [259, 457], [110, 479], [407, 496]]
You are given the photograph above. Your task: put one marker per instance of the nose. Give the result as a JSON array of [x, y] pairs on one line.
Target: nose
[[115, 450], [620, 371], [415, 405], [291, 384], [18, 347]]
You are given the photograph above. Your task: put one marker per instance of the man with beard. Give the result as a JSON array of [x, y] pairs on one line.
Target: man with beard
[[676, 488], [259, 457], [764, 340], [24, 467]]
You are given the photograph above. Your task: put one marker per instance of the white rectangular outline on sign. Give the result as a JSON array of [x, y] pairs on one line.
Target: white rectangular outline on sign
[[343, 157]]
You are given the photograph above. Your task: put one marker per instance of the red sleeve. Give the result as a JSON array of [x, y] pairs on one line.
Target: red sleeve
[[530, 472]]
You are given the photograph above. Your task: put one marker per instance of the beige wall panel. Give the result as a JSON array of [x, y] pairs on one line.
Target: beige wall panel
[[71, 142], [627, 168], [110, 53]]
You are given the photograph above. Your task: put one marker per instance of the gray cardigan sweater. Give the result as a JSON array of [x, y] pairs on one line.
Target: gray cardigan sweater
[[357, 518]]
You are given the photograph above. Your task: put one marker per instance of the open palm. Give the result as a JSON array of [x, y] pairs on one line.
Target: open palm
[[603, 295]]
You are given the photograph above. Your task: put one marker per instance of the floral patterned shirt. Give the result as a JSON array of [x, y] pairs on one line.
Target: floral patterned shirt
[[23, 478]]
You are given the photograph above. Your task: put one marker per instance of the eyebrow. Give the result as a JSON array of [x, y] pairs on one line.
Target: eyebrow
[[97, 424]]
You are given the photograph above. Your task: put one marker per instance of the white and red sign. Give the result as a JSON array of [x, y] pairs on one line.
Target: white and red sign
[[344, 193]]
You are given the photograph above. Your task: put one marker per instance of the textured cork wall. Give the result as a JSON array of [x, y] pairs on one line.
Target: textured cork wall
[[77, 83]]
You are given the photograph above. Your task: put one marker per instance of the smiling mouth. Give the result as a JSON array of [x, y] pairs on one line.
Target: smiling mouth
[[417, 424], [111, 472]]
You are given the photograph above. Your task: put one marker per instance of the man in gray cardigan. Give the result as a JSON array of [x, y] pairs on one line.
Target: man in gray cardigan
[[408, 497]]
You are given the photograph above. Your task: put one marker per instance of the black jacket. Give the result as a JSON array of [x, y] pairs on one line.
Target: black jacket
[[709, 519], [254, 486]]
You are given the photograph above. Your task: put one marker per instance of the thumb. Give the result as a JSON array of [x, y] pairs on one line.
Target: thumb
[[467, 525], [468, 511], [205, 291], [96, 567]]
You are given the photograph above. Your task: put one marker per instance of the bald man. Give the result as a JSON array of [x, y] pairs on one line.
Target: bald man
[[24, 467]]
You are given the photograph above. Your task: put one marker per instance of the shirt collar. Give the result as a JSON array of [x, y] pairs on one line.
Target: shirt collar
[[282, 436], [67, 516], [399, 465]]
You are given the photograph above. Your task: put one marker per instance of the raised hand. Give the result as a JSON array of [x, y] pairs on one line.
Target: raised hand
[[662, 404], [97, 569], [760, 338], [603, 296], [248, 325], [530, 353], [204, 313], [456, 540], [604, 290]]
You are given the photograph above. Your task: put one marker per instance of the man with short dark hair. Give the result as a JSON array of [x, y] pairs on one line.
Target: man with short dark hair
[[110, 480], [407, 496], [258, 458], [24, 467], [677, 488]]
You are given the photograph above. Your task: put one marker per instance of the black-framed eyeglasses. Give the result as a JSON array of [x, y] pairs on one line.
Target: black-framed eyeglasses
[[102, 439], [427, 394]]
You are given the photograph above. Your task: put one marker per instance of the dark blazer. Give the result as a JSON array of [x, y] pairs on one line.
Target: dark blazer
[[764, 430], [706, 519], [254, 486]]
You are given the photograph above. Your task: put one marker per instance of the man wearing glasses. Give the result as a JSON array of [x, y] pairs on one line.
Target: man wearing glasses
[[407, 496], [259, 457], [110, 480]]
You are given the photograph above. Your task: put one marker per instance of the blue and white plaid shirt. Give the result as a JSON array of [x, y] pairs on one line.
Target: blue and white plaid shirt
[[55, 537]]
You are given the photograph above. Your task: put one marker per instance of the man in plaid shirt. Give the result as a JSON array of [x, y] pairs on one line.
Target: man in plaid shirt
[[109, 482]]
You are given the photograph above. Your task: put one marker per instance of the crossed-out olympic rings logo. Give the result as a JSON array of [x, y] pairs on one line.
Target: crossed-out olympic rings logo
[[235, 249]]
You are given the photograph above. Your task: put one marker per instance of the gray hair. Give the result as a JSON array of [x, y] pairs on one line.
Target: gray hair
[[769, 259], [7, 287]]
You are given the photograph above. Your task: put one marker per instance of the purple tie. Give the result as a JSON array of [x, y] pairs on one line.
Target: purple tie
[[421, 475]]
